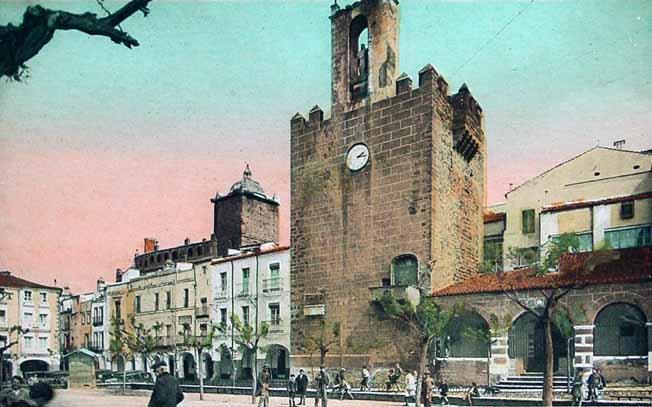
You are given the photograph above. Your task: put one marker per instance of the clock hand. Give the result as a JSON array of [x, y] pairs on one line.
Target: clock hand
[[362, 154]]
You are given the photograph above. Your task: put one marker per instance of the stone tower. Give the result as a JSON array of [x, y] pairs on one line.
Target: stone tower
[[245, 216], [386, 194]]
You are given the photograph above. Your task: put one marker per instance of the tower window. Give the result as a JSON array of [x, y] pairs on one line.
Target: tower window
[[359, 59]]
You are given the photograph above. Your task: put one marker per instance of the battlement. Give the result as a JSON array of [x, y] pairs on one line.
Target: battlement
[[188, 252]]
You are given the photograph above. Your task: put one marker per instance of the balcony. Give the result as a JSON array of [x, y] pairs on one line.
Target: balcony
[[165, 341], [222, 295], [243, 290], [403, 293], [203, 311], [275, 325], [272, 285]]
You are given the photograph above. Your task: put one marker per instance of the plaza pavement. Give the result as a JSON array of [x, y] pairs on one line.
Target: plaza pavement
[[101, 398]]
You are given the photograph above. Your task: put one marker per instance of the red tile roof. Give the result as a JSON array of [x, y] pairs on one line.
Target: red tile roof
[[587, 204], [618, 267], [493, 217], [7, 280]]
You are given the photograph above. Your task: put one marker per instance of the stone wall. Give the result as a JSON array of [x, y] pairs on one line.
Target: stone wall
[[582, 306]]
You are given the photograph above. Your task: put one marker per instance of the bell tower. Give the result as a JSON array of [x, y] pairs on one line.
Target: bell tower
[[364, 46]]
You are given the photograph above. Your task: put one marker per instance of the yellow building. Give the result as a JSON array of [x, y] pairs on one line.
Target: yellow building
[[165, 304], [33, 307], [602, 195]]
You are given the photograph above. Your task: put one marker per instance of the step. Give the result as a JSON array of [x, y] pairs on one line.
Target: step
[[539, 390]]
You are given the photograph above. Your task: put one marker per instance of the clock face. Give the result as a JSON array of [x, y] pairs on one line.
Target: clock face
[[357, 157]]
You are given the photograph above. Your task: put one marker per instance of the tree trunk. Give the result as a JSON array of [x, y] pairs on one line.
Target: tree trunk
[[549, 363], [423, 359], [254, 376], [124, 379], [200, 370]]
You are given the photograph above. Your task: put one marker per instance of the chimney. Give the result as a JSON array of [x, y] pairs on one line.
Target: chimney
[[619, 144], [66, 290], [186, 242], [118, 275], [151, 245], [101, 283]]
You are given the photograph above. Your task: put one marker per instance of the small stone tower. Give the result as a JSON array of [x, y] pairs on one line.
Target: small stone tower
[[364, 52], [387, 193], [245, 216]]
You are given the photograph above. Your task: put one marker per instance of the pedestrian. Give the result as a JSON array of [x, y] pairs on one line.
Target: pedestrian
[[321, 382], [577, 389], [15, 394], [410, 387], [302, 386], [427, 387], [443, 392], [392, 378], [602, 383], [342, 385], [473, 392], [167, 392], [364, 383], [292, 389], [264, 380]]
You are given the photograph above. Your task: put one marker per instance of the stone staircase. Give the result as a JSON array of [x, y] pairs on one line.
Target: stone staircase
[[530, 382]]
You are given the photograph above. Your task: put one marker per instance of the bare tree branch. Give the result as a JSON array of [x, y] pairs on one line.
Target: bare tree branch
[[18, 44]]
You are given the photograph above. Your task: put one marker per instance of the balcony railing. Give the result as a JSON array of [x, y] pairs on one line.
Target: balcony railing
[[98, 321], [275, 325], [243, 290], [222, 294], [271, 285], [202, 311]]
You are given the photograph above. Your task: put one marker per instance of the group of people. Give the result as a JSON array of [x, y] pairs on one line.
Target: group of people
[[20, 395], [587, 386]]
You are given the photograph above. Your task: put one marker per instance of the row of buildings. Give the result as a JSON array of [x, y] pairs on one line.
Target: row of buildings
[[388, 195]]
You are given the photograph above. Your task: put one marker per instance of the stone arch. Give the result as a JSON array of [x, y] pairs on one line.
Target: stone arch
[[468, 336], [525, 343], [120, 363], [620, 330], [188, 366], [34, 365], [278, 359], [631, 297], [207, 366]]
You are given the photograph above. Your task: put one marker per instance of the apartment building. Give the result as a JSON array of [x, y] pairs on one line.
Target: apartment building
[[254, 285], [35, 308], [602, 195]]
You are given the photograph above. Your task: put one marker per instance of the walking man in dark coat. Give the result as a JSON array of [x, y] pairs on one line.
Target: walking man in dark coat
[[167, 392], [302, 386]]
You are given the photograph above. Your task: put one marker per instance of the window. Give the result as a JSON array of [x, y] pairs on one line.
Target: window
[[245, 315], [224, 282], [44, 297], [526, 256], [404, 270], [156, 301], [168, 300], [527, 221], [223, 316], [186, 298], [28, 318], [100, 345], [87, 340], [3, 317], [629, 237], [43, 320], [138, 303], [118, 310], [274, 274], [203, 329], [627, 210], [27, 296], [245, 281], [585, 241], [275, 314], [29, 342], [493, 253]]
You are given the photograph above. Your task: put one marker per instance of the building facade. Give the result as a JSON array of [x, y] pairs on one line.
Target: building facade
[[254, 286], [387, 192], [602, 195], [33, 307]]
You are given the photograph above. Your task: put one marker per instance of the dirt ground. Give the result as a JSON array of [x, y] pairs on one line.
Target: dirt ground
[[99, 398]]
